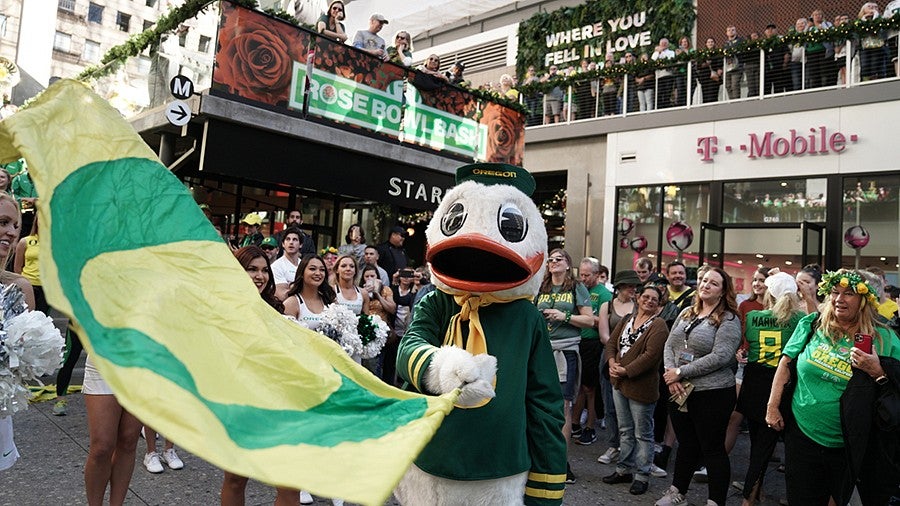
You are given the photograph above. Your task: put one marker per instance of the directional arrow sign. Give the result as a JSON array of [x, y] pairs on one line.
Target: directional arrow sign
[[178, 113], [181, 87]]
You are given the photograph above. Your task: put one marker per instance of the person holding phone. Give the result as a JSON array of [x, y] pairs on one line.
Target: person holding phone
[[843, 349]]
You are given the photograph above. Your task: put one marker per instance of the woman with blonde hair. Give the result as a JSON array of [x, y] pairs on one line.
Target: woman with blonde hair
[[831, 439], [401, 52], [766, 332]]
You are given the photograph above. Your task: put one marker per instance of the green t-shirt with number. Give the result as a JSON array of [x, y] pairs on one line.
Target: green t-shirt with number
[[599, 294], [567, 301], [766, 338], [823, 370]]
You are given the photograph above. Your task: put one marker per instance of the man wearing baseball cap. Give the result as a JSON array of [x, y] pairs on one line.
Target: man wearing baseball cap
[[391, 255], [253, 237], [368, 40]]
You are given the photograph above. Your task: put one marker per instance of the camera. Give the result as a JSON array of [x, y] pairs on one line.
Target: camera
[[407, 273]]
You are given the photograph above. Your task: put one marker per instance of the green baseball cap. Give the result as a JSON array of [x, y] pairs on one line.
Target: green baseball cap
[[269, 241], [497, 173]]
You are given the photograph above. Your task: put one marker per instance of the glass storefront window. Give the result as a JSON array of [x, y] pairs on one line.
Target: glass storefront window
[[873, 202], [641, 206], [774, 201], [688, 203]]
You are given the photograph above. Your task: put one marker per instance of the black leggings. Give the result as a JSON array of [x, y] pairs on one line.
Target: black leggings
[[701, 439], [73, 347]]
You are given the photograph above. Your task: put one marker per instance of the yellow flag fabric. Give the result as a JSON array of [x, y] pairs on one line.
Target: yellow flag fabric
[[178, 330]]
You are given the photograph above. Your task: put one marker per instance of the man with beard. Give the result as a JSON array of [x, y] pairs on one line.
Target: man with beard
[[307, 246], [680, 294]]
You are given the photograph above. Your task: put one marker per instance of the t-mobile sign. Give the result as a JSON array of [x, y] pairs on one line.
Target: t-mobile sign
[[818, 141]]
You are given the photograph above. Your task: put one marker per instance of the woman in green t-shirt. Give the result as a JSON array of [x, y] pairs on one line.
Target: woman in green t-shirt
[[827, 348], [566, 306]]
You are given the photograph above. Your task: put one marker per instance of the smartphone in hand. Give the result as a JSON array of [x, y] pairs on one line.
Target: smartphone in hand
[[863, 342]]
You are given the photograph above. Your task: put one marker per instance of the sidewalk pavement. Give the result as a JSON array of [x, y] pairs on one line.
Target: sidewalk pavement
[[54, 449]]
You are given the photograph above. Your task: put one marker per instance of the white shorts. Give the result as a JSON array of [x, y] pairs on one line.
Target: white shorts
[[93, 382], [8, 452]]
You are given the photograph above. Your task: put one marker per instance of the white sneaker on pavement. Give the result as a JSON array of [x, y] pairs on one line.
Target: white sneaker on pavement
[[700, 475], [671, 498], [152, 463], [171, 459], [306, 498], [609, 457], [657, 472], [337, 502]]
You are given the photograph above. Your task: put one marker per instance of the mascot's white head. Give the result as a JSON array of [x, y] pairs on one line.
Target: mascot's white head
[[487, 236]]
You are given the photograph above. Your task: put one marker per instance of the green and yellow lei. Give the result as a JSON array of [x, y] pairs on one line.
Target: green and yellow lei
[[844, 279]]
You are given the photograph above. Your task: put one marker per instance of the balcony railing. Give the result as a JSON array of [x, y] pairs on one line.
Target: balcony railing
[[687, 85]]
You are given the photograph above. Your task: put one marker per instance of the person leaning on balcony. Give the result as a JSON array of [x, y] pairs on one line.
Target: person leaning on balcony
[[709, 75], [646, 85], [329, 24], [819, 54], [872, 57], [552, 99], [401, 51], [734, 65], [369, 41], [797, 57], [506, 87]]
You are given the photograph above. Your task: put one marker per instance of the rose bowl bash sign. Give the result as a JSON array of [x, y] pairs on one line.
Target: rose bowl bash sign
[[347, 101], [264, 60]]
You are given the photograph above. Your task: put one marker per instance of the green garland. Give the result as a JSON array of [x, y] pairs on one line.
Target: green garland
[[839, 34]]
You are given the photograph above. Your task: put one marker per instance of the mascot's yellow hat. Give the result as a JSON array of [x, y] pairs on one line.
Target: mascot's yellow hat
[[497, 173]]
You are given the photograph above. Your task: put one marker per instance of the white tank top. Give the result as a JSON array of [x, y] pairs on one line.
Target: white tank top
[[308, 318], [355, 305]]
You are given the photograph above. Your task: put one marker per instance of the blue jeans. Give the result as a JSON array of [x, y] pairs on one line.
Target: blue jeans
[[635, 436], [609, 408]]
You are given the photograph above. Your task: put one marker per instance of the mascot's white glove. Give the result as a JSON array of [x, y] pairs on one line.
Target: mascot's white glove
[[453, 367]]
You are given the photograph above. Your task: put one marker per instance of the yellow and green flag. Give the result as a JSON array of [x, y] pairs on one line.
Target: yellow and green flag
[[178, 330]]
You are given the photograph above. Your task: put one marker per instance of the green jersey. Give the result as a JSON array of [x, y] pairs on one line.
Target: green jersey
[[766, 337], [599, 294]]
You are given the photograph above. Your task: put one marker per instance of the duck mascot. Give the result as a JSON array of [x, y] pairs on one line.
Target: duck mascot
[[479, 332]]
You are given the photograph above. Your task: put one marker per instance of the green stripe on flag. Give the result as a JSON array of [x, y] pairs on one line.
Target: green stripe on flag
[[146, 184]]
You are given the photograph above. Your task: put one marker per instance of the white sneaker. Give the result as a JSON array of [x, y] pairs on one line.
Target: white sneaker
[[337, 502], [306, 498], [609, 457], [671, 498], [171, 459], [657, 472], [152, 463], [700, 475]]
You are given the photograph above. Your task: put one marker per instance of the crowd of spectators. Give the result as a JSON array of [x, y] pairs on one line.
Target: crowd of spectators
[[682, 364]]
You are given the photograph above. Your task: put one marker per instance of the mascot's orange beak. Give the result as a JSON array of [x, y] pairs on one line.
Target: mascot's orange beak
[[476, 263]]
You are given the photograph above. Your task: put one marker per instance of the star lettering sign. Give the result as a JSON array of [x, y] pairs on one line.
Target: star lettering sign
[[819, 141]]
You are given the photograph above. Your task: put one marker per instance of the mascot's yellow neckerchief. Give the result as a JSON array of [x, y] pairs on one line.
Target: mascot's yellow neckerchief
[[476, 343]]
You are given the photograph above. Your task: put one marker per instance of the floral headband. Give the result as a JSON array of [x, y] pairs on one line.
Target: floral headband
[[330, 249], [846, 279]]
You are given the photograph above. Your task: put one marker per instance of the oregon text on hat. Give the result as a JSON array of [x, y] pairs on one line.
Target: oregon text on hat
[[497, 173]]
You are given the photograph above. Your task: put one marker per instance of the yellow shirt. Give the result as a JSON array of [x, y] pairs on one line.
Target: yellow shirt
[[30, 270], [887, 309]]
